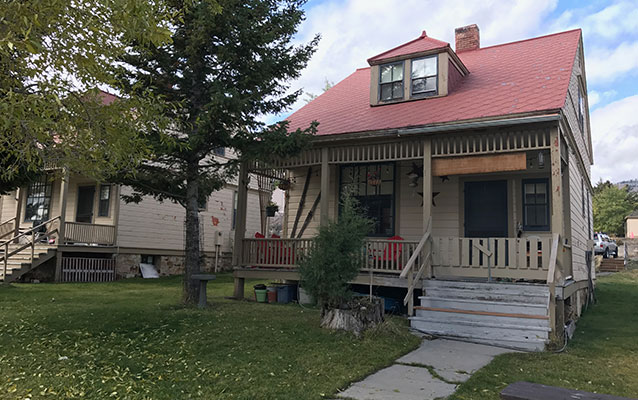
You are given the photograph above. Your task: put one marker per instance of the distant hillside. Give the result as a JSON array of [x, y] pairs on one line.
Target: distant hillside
[[633, 184]]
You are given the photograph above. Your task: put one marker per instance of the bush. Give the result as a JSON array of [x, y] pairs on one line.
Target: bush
[[335, 257]]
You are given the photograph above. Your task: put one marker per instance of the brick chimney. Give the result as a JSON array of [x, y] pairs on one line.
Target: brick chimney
[[467, 38]]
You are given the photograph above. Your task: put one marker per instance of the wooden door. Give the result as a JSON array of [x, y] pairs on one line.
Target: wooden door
[[84, 209], [486, 209]]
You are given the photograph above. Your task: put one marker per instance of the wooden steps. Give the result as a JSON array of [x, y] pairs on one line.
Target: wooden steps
[[502, 314], [21, 263], [612, 265]]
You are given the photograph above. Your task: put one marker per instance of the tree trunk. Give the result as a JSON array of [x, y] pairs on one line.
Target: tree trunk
[[360, 315], [191, 246]]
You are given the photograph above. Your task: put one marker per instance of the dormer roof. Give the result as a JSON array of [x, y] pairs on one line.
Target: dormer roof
[[419, 45]]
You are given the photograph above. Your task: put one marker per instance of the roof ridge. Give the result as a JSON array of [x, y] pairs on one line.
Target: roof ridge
[[524, 40], [422, 36]]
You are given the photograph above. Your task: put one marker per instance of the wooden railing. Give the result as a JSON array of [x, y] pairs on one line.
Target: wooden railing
[[32, 236], [524, 258], [282, 253], [421, 258], [389, 256], [80, 232]]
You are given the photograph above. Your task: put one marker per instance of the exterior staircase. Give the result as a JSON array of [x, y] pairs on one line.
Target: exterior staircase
[[20, 263], [612, 265], [502, 314]]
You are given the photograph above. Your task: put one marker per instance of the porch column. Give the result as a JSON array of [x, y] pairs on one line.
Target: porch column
[[325, 188], [427, 194], [20, 195], [557, 223], [240, 225], [64, 194]]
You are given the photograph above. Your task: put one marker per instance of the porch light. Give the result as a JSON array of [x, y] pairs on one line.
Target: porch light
[[541, 160]]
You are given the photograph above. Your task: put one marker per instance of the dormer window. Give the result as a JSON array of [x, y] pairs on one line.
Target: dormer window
[[391, 82], [424, 76]]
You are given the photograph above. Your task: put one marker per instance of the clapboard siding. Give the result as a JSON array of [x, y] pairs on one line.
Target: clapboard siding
[[160, 225], [8, 209], [580, 227]]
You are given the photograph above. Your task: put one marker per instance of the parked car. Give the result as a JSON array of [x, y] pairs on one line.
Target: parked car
[[605, 245]]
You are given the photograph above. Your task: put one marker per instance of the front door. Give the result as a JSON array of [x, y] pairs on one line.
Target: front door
[[486, 209], [84, 211]]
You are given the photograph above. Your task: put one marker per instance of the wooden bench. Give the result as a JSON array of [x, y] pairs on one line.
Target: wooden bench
[[535, 391], [203, 280]]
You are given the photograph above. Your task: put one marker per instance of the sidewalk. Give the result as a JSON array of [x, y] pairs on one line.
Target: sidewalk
[[430, 372]]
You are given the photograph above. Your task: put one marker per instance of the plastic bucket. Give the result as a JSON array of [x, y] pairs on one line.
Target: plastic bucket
[[260, 295]]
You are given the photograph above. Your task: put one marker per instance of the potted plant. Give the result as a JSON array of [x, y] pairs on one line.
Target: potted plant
[[374, 178], [332, 263], [284, 184], [271, 209]]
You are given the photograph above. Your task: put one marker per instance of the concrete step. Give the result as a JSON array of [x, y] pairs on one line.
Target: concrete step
[[500, 287], [482, 305], [509, 335], [527, 345]]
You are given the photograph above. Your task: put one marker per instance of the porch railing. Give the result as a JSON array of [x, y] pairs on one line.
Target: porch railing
[[517, 258], [282, 253], [7, 228], [92, 234]]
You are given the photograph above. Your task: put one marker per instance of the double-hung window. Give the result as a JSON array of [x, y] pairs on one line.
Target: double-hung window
[[38, 200], [391, 82], [424, 76], [536, 204], [373, 186], [105, 201]]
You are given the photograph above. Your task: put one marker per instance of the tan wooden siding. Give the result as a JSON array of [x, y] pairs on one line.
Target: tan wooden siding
[[631, 227], [294, 194], [570, 109], [579, 221], [8, 209], [160, 225]]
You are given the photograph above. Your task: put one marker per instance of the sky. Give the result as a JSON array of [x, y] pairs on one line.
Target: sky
[[354, 30]]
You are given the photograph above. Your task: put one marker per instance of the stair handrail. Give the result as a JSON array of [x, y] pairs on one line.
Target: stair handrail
[[415, 255], [409, 267], [7, 254], [9, 232]]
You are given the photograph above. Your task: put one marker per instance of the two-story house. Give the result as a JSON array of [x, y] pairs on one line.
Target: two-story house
[[474, 163]]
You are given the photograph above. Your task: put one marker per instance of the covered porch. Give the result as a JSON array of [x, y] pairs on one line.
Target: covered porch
[[468, 205]]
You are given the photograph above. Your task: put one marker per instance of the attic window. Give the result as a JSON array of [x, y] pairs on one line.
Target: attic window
[[391, 82], [424, 76], [581, 108]]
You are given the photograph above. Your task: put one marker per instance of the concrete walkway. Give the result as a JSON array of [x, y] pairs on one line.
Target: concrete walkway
[[430, 372]]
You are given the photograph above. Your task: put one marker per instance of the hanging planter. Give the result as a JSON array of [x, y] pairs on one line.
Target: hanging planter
[[271, 209], [373, 178], [284, 185]]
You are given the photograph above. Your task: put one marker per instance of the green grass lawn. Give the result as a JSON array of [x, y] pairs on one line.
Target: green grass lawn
[[602, 357], [132, 339]]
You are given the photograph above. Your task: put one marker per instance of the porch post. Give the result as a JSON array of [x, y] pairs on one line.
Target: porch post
[[325, 188], [64, 194], [427, 196], [18, 220], [240, 225], [557, 223]]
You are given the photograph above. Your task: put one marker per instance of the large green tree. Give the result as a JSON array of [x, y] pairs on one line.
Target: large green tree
[[611, 205], [54, 54], [228, 64]]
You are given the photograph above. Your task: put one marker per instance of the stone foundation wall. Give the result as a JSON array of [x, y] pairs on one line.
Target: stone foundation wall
[[631, 248], [128, 265]]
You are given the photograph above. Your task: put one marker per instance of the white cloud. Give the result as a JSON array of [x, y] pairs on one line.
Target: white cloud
[[606, 65], [595, 97], [615, 140], [355, 30]]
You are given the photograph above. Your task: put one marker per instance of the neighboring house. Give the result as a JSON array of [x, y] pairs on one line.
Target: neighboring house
[[631, 225], [102, 236], [478, 159]]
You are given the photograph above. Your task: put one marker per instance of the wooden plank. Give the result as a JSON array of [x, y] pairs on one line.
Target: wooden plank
[[533, 253], [479, 164], [522, 253], [465, 252], [474, 312], [535, 391]]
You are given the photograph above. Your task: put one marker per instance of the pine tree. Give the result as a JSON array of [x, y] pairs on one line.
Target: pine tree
[[229, 63]]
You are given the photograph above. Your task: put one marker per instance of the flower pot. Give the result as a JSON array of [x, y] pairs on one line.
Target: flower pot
[[260, 295]]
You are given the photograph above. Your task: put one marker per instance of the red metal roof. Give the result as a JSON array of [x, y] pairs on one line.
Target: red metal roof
[[420, 44], [520, 77]]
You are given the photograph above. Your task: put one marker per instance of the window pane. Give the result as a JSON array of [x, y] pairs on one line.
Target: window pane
[[387, 172], [346, 175], [530, 198], [386, 91], [386, 73], [423, 67], [430, 66], [418, 86], [430, 84], [529, 188], [105, 192], [397, 90], [397, 72], [541, 216], [386, 188]]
